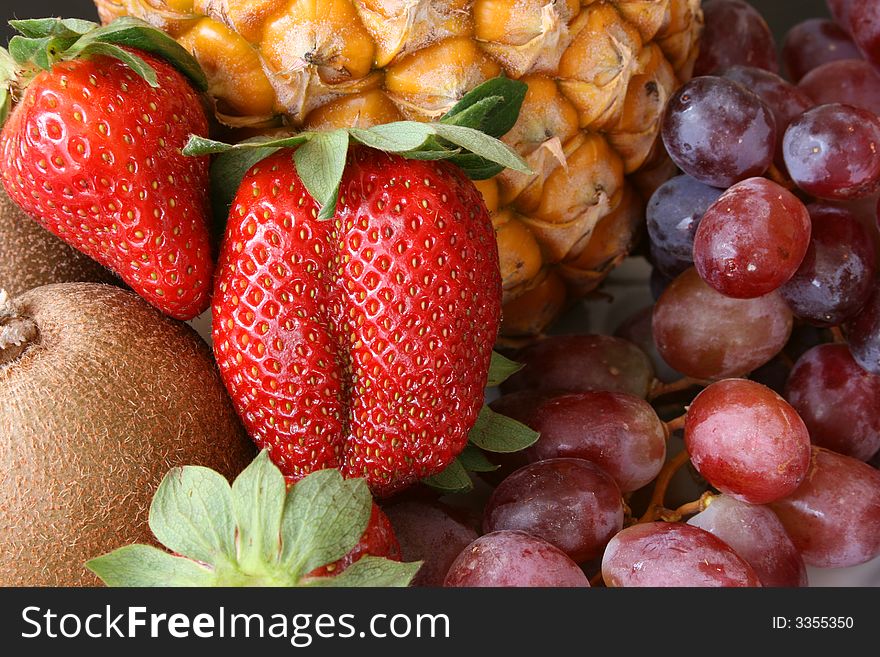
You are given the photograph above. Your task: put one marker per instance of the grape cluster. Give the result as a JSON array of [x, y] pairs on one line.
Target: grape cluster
[[756, 371]]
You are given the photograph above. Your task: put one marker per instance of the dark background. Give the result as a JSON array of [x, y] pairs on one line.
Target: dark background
[[781, 14]]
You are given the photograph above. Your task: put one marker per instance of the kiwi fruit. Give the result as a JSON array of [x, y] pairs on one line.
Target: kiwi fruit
[[100, 395], [31, 256]]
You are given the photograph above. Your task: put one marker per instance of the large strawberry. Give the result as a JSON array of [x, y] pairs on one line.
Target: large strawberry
[[361, 342], [92, 151]]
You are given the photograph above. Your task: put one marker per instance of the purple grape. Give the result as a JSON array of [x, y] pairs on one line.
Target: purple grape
[[837, 273], [673, 554], [815, 42], [430, 532], [864, 25], [833, 152], [513, 559], [667, 264], [849, 81], [756, 534], [735, 33], [674, 212], [837, 400], [570, 503], [863, 334], [719, 132]]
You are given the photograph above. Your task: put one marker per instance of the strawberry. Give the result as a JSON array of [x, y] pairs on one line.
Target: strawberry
[[92, 151], [378, 540], [363, 342]]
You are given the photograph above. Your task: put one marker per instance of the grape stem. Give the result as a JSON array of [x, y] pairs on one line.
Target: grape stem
[[689, 509], [776, 175], [660, 389], [675, 424], [596, 580], [837, 334], [655, 506]]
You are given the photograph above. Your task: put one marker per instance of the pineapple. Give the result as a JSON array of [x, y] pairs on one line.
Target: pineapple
[[598, 74]]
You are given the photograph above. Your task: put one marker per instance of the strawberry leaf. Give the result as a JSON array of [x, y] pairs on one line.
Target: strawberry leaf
[[191, 514], [494, 432], [320, 163], [398, 137], [227, 172], [145, 565], [134, 33], [197, 146], [37, 28], [454, 479], [479, 143], [324, 518], [8, 69], [501, 368], [134, 62], [474, 460], [371, 571], [474, 115], [498, 121], [253, 533], [258, 502]]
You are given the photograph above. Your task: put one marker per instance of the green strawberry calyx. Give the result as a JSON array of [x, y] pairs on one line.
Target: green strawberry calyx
[[43, 42], [253, 533], [468, 136]]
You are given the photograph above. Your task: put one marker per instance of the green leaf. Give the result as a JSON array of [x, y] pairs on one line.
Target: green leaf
[[324, 518], [37, 28], [454, 479], [474, 460], [475, 167], [192, 515], [8, 69], [135, 33], [258, 496], [494, 432], [372, 571], [501, 368], [25, 50], [397, 137], [320, 163], [227, 171], [479, 143], [144, 565], [473, 115], [503, 115], [197, 146], [134, 62]]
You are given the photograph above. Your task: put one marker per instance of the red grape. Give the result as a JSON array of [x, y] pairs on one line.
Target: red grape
[[747, 441], [431, 533], [706, 335], [674, 212], [735, 33], [719, 132], [863, 334], [838, 401], [786, 101], [849, 81], [512, 558], [834, 517], [570, 503], [756, 534], [752, 239], [576, 363], [618, 432], [840, 11], [638, 330], [833, 152], [815, 42], [864, 25], [673, 554], [837, 274]]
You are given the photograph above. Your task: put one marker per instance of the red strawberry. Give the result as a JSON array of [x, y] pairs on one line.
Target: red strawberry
[[93, 153], [378, 540], [362, 342]]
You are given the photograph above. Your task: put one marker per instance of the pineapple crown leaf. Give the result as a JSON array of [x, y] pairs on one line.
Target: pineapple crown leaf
[[42, 42], [253, 533], [492, 432], [467, 136]]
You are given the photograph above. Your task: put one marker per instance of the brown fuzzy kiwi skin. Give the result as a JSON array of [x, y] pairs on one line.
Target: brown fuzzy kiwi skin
[[108, 397], [31, 256]]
